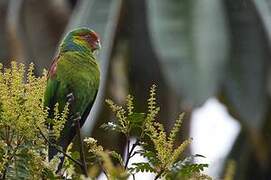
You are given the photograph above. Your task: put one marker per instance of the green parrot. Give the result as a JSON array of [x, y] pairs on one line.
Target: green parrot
[[73, 77]]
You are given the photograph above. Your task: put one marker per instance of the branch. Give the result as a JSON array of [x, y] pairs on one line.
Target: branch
[[58, 149], [129, 154], [158, 175], [128, 151]]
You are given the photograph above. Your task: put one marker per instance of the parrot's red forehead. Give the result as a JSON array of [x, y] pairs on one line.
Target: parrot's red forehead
[[91, 38], [94, 36], [90, 35]]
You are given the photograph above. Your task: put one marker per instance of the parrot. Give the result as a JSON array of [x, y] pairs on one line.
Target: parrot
[[73, 77]]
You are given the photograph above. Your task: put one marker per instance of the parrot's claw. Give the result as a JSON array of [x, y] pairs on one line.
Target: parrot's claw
[[76, 118], [70, 97]]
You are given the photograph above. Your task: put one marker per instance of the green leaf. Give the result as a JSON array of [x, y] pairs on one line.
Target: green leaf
[[136, 120], [245, 84], [19, 169], [183, 169], [188, 170], [186, 167], [190, 159], [117, 156], [264, 11], [150, 155], [75, 155], [49, 174], [190, 39], [141, 167]]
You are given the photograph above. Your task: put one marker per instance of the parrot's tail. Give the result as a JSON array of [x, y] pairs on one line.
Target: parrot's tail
[[52, 152], [62, 143]]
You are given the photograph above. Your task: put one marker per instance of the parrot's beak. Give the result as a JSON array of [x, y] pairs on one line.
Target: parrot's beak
[[96, 48], [97, 45]]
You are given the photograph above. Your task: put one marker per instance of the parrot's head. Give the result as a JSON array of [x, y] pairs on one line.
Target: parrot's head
[[82, 38]]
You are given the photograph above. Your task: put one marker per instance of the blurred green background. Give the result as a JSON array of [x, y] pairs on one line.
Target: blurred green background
[[193, 50]]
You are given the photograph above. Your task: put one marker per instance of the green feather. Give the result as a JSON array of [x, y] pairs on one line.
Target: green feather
[[75, 70]]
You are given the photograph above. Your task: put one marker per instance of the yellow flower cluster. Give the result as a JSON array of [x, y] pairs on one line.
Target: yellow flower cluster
[[164, 145], [153, 110], [112, 172], [22, 117], [92, 145], [130, 104], [121, 114], [21, 102], [59, 120], [23, 123]]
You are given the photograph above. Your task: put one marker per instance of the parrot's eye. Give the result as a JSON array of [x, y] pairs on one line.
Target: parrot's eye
[[92, 37], [87, 36]]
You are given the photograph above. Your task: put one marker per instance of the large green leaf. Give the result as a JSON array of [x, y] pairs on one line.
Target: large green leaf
[[190, 38], [263, 8], [246, 84]]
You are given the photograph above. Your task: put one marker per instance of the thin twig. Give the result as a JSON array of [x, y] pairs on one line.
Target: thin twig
[[130, 152], [133, 154], [58, 149], [82, 153], [158, 175]]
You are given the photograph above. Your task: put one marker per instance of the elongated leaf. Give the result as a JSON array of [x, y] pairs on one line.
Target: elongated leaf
[[190, 37], [263, 8], [245, 84], [141, 167]]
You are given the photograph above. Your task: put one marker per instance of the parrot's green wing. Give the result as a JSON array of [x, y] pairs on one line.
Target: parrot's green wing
[[51, 87], [77, 74]]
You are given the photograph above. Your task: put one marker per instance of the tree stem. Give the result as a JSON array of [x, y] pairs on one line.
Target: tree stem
[[130, 151]]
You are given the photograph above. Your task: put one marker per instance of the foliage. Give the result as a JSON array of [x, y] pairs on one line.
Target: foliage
[[104, 159], [164, 159], [23, 150], [24, 137]]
